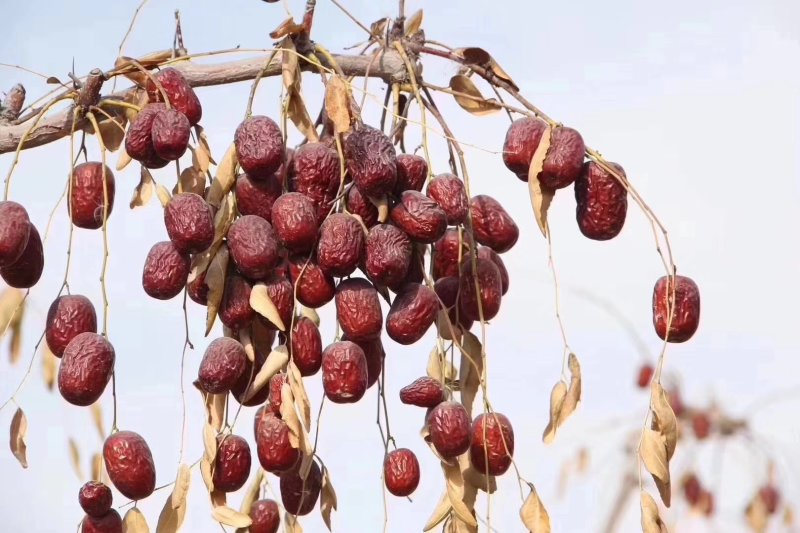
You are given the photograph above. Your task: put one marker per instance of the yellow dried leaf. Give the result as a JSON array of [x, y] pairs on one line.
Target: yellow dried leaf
[[215, 409], [788, 516], [19, 429], [226, 177], [471, 99], [441, 512], [163, 195], [215, 280], [200, 159], [435, 365], [112, 131], [289, 415], [651, 521], [276, 360], [299, 393], [482, 58], [252, 492], [328, 502], [575, 388], [97, 418], [337, 104], [263, 305], [75, 458], [310, 313], [290, 524], [653, 452], [474, 479], [170, 520], [557, 397], [202, 140], [290, 67], [209, 442], [541, 197], [134, 522], [230, 517], [49, 367], [206, 473], [757, 515], [181, 488], [191, 180], [11, 306], [664, 417], [144, 191], [98, 468], [455, 491], [413, 23], [533, 514], [298, 113], [382, 204], [124, 159], [471, 369]]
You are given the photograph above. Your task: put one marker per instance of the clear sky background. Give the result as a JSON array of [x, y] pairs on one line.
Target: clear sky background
[[699, 102]]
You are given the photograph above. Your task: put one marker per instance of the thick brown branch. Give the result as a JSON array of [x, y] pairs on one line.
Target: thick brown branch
[[389, 67]]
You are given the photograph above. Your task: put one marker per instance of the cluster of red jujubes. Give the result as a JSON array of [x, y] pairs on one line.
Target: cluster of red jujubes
[[21, 253]]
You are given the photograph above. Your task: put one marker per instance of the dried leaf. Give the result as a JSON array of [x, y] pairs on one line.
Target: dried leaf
[[98, 467], [97, 418], [441, 512], [290, 524], [299, 393], [19, 429], [218, 498], [170, 520], [200, 159], [11, 306], [413, 23], [75, 458], [226, 177], [287, 27], [651, 521], [215, 280], [181, 488], [653, 452], [144, 191], [163, 195], [557, 397], [471, 369], [298, 114], [664, 417], [289, 415], [124, 159], [134, 522], [533, 514], [475, 479], [113, 132], [327, 502], [202, 141], [205, 472], [215, 409], [541, 197], [440, 368], [337, 104], [191, 180], [574, 392], [382, 204], [310, 313], [455, 491], [49, 367], [209, 442], [276, 360], [480, 57], [252, 492], [263, 305], [230, 517], [472, 100]]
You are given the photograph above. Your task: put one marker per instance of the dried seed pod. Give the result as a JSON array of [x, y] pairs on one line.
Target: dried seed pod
[[564, 159], [449, 427], [420, 217], [490, 287], [358, 309], [15, 227], [401, 472], [306, 343], [165, 271], [314, 287], [256, 197], [222, 365], [492, 438], [602, 202], [412, 313], [448, 191], [139, 137], [360, 205], [95, 498], [300, 495], [492, 225], [253, 246], [275, 452], [234, 309], [189, 222], [685, 312], [181, 95], [412, 171], [68, 316], [340, 245], [266, 516], [26, 271], [371, 161], [344, 372], [317, 175], [86, 201], [170, 132], [487, 253], [448, 252], [375, 354], [85, 369], [388, 255], [129, 464], [522, 139], [294, 219], [108, 523], [232, 464], [423, 392], [259, 146]]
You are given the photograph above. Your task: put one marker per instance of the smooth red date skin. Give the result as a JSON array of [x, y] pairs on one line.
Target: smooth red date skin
[[68, 316], [181, 95], [306, 343], [15, 227], [317, 175], [423, 392], [375, 354], [275, 452], [602, 202], [522, 139], [314, 287], [564, 159], [108, 523], [254, 246], [358, 309], [412, 171], [222, 365], [686, 312], [300, 496], [449, 427], [266, 516], [232, 465], [448, 191], [490, 285], [85, 369], [371, 161], [189, 222], [171, 130], [27, 270], [388, 255], [95, 498], [360, 205], [344, 372], [412, 313], [165, 271], [86, 200], [341, 245], [492, 225], [420, 217], [129, 464], [401, 472], [492, 437], [487, 253], [139, 137], [259, 146], [446, 253], [256, 197], [294, 219], [234, 309]]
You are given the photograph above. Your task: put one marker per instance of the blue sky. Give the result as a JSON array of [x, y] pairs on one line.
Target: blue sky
[[699, 101]]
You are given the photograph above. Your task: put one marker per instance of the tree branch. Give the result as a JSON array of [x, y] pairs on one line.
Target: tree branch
[[389, 67]]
